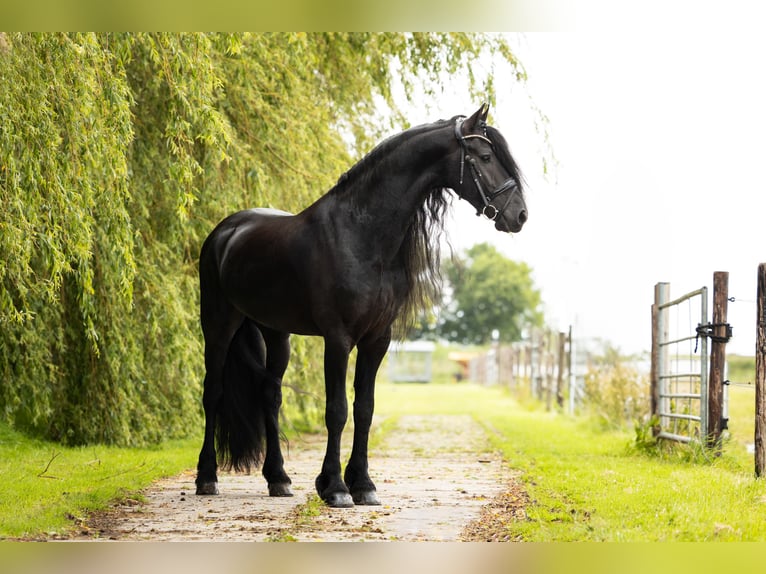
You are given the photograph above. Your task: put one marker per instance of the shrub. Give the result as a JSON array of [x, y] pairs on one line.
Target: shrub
[[616, 392]]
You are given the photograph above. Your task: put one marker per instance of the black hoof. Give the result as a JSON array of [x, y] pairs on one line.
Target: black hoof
[[207, 488], [368, 498], [339, 500], [280, 489]]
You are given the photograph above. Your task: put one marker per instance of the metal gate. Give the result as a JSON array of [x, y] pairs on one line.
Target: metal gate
[[680, 364]]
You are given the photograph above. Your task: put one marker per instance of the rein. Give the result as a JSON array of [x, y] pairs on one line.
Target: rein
[[487, 197]]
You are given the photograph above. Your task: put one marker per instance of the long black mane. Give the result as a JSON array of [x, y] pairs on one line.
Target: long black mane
[[367, 168], [421, 255], [504, 155], [420, 249]]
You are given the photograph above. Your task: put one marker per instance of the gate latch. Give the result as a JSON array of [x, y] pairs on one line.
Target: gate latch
[[708, 330]]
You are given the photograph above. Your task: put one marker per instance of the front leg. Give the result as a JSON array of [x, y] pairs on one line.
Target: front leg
[[357, 478], [329, 484]]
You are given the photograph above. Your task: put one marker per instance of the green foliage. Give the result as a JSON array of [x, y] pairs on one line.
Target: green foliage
[[488, 292], [615, 391], [645, 441], [118, 154]]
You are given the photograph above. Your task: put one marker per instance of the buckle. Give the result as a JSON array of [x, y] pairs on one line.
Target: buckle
[[494, 210]]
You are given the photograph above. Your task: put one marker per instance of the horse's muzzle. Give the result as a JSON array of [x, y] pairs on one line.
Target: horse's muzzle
[[511, 223]]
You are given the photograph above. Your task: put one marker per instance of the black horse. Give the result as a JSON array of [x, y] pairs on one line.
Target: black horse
[[343, 269]]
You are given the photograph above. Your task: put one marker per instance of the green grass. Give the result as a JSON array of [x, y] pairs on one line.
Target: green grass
[[45, 489], [741, 368], [588, 484]]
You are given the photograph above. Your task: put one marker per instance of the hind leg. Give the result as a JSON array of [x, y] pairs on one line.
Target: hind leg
[[219, 326], [277, 357], [207, 479]]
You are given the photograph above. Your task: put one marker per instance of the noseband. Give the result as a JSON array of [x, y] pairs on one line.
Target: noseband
[[509, 184]]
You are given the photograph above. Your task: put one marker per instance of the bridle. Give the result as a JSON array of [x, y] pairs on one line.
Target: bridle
[[509, 184]]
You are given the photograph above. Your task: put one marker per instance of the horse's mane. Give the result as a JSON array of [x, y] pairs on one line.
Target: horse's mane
[[504, 155], [366, 167], [421, 255]]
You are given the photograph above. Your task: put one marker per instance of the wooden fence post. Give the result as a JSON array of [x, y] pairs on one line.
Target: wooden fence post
[[659, 355], [654, 368], [760, 375], [717, 360], [546, 375], [571, 359], [560, 374]]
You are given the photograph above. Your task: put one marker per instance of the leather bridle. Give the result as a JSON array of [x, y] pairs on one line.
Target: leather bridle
[[509, 184]]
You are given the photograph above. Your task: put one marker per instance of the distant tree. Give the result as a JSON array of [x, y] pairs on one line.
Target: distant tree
[[488, 292]]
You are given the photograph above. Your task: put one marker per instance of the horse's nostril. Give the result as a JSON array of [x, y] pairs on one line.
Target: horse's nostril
[[523, 216]]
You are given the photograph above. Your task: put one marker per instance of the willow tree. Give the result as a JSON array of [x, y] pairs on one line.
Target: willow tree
[[120, 152]]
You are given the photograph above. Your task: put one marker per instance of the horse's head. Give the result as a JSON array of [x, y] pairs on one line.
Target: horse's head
[[488, 177]]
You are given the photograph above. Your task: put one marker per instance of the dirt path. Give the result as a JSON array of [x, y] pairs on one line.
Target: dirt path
[[433, 473]]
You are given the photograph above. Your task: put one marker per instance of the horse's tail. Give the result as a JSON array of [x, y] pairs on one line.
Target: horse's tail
[[240, 424]]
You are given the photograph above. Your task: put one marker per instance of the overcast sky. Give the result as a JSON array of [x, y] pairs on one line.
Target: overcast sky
[[659, 138]]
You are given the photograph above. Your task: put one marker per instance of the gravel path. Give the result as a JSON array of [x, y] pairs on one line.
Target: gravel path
[[435, 477]]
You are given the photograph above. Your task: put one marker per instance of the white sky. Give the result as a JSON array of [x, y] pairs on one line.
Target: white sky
[[659, 136]]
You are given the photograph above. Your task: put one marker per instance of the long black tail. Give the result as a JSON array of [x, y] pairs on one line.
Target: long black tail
[[240, 424]]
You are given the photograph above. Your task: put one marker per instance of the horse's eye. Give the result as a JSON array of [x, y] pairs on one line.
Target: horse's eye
[[486, 158]]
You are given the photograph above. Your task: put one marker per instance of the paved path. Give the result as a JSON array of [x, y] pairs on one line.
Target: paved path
[[433, 473]]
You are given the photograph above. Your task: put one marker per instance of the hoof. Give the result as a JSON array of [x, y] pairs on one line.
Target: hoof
[[280, 489], [368, 498], [207, 488], [339, 500]]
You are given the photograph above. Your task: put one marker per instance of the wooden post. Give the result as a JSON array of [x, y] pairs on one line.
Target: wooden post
[[717, 360], [654, 368], [571, 371], [548, 368], [659, 357], [760, 375], [538, 368], [551, 368], [511, 367], [560, 374], [528, 350]]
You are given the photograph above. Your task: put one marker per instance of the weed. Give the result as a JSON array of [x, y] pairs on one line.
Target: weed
[[305, 513], [646, 440], [281, 536]]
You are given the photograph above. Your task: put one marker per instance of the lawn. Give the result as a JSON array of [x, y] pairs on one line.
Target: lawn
[[45, 489]]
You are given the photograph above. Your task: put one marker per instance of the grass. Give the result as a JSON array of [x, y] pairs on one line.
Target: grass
[[741, 368], [588, 484], [46, 489]]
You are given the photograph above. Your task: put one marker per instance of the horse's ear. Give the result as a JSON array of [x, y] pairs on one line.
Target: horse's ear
[[479, 119], [484, 109]]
